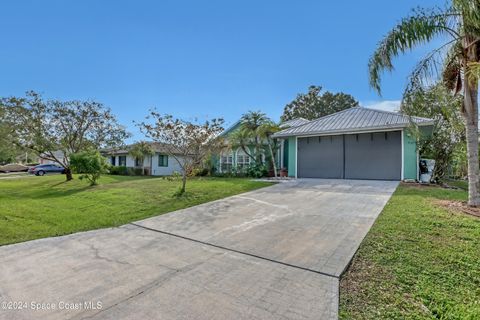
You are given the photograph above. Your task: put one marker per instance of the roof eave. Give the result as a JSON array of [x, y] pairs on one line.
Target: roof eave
[[347, 131]]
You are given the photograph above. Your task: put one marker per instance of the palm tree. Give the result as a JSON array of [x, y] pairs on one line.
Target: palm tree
[[250, 124], [242, 139], [266, 131], [139, 151], [455, 62]]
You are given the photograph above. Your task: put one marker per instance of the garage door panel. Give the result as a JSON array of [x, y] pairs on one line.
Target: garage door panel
[[373, 156], [320, 157]]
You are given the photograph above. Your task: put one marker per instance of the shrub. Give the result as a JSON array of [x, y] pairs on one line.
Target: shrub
[[90, 164], [134, 171], [200, 172], [257, 171], [253, 171], [118, 170]]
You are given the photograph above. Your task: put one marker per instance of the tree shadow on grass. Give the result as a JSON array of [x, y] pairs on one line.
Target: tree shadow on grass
[[50, 192]]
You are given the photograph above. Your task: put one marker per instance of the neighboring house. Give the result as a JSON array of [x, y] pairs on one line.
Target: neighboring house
[[158, 164], [57, 154], [236, 158], [357, 143]]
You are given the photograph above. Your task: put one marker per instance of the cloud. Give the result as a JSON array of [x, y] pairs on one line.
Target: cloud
[[386, 105]]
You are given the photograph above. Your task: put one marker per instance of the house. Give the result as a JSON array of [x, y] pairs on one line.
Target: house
[[236, 159], [46, 159], [357, 143], [158, 164]]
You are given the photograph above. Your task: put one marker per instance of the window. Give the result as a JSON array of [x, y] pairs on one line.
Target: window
[[138, 162], [243, 161], [122, 161], [226, 162], [112, 160], [162, 160]]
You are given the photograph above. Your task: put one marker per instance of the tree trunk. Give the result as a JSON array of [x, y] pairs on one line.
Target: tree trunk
[[184, 182], [273, 160], [68, 174], [470, 113]]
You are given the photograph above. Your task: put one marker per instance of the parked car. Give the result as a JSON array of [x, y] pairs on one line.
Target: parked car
[[42, 169], [13, 168]]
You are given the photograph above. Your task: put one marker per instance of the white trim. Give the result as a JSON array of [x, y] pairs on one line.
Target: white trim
[[402, 175], [296, 157]]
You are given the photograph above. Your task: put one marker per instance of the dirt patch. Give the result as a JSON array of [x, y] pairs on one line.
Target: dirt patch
[[458, 206]]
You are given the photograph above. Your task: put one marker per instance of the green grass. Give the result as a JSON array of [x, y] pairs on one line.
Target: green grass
[[462, 184], [419, 261], [37, 207]]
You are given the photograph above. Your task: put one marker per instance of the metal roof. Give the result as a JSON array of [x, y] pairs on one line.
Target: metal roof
[[294, 123], [354, 120]]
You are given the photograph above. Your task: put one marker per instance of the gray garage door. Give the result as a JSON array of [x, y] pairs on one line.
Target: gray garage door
[[373, 156], [320, 157], [356, 156]]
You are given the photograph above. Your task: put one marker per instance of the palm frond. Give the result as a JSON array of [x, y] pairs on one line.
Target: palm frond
[[473, 71], [428, 70], [411, 32], [470, 10]]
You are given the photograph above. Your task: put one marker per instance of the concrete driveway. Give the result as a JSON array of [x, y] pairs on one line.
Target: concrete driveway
[[274, 253]]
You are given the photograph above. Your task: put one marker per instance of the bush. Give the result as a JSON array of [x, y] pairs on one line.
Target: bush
[[257, 171], [134, 171], [118, 170], [252, 171], [90, 164], [201, 172]]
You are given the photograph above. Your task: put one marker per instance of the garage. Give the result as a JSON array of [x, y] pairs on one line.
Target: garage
[[354, 156], [357, 143]]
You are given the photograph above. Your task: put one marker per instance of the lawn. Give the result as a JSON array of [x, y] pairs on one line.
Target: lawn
[[37, 207], [419, 261]]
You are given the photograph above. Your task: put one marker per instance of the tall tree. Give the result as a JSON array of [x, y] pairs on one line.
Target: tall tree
[[139, 151], [8, 151], [315, 104], [459, 26], [448, 134], [46, 127], [189, 143]]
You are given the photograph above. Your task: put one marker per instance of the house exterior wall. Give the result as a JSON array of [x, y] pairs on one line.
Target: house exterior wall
[[292, 156], [173, 166], [156, 170], [410, 156]]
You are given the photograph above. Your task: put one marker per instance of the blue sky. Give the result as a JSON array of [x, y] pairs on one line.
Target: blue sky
[[200, 59]]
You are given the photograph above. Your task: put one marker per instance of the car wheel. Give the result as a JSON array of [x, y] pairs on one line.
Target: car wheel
[[40, 173]]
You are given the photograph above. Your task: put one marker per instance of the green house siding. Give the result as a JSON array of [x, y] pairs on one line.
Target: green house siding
[[292, 156], [285, 153], [410, 164]]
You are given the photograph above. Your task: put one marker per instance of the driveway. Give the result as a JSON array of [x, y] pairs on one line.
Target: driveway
[[273, 253]]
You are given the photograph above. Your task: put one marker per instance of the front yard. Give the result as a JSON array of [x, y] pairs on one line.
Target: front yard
[[38, 207], [419, 261]]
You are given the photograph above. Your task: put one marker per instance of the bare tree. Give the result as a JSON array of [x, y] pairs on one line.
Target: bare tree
[[69, 127], [189, 143]]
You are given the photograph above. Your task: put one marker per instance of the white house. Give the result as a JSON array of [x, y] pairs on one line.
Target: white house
[[158, 164], [57, 154]]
